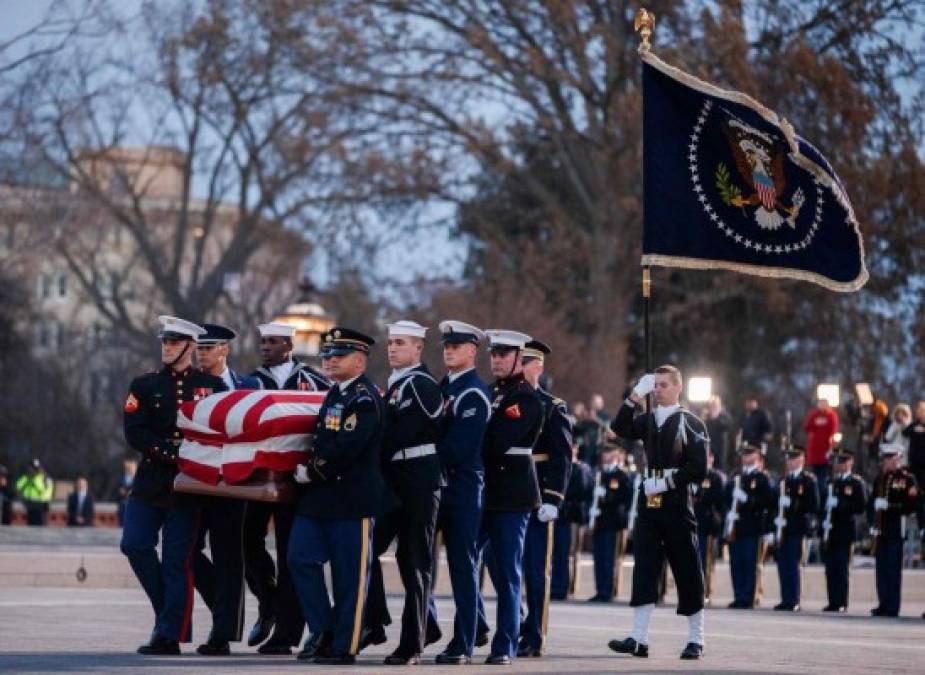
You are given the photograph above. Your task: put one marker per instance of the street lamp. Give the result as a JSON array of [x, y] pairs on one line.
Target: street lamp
[[699, 389], [829, 392], [309, 319]]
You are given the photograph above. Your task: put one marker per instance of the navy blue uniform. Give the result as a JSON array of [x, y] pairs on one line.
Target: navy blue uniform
[[150, 426], [270, 582], [851, 494], [709, 509], [614, 506], [572, 517], [752, 523], [552, 455], [800, 517], [334, 513], [901, 492]]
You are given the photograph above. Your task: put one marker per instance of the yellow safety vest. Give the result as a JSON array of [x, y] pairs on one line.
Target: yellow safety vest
[[35, 488]]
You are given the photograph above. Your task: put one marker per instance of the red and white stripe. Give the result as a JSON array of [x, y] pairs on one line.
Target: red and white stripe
[[231, 434]]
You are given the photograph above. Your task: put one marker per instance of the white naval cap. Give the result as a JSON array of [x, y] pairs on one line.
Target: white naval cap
[[459, 332], [275, 329], [407, 329], [499, 337], [177, 328]]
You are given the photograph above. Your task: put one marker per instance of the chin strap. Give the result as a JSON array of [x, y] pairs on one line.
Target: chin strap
[[181, 355], [514, 365]]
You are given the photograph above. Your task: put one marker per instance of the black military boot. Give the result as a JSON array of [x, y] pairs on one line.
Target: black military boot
[[629, 646], [692, 651], [160, 646]]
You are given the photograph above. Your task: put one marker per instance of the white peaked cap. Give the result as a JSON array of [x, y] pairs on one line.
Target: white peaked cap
[[449, 326], [499, 337], [406, 328], [173, 324], [276, 330]]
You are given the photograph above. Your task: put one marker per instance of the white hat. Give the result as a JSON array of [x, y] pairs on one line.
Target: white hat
[[499, 337], [172, 326], [276, 330], [458, 332], [407, 328]]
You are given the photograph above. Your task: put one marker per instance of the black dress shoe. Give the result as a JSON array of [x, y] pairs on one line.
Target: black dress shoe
[[783, 607], [372, 636], [629, 646], [261, 630], [214, 648], [336, 659], [481, 639], [692, 651], [498, 660], [879, 611], [396, 659], [275, 646], [529, 651], [447, 659], [160, 646], [316, 644], [434, 634]]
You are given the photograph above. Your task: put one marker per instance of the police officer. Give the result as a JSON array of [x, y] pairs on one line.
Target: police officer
[[221, 580], [749, 501], [411, 467], [466, 414], [153, 511], [341, 491], [278, 607], [798, 496], [511, 488], [709, 498], [676, 456], [895, 496], [844, 499], [552, 456], [570, 526], [614, 488]]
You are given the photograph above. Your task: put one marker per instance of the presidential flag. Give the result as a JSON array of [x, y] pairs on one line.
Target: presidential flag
[[730, 185], [231, 434]]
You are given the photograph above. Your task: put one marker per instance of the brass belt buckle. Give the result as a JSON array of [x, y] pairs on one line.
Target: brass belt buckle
[[654, 502]]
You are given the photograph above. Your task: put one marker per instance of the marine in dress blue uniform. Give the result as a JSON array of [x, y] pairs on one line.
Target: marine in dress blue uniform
[[341, 488], [570, 525], [552, 456], [709, 509], [614, 498], [798, 493], [152, 509], [843, 500]]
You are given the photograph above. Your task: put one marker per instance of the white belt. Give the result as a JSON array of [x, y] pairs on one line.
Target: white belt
[[415, 452], [519, 451], [660, 473]]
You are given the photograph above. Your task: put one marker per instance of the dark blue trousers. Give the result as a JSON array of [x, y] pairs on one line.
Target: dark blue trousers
[[561, 549], [505, 531], [347, 545], [743, 563], [837, 558], [168, 581], [604, 549], [789, 557], [538, 545], [889, 574]]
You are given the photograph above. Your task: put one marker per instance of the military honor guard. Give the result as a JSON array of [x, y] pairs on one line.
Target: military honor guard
[[844, 499], [466, 413], [676, 457], [613, 498], [511, 488], [798, 504], [895, 495], [341, 487], [221, 580], [749, 501], [278, 607], [411, 467], [552, 456], [709, 507], [153, 512], [569, 529]]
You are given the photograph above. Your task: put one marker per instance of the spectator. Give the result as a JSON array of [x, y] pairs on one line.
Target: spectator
[[899, 422], [820, 425], [719, 428], [35, 489], [6, 497], [756, 427], [914, 435], [588, 433], [129, 467], [80, 505], [598, 411]]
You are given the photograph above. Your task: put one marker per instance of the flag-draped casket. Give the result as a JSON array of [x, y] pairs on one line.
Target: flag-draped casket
[[244, 437]]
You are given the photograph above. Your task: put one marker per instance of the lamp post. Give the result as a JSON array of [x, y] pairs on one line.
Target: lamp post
[[309, 319]]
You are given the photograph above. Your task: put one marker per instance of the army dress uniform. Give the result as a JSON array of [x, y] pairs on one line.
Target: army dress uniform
[[153, 510], [572, 520], [800, 509], [709, 508], [340, 494], [849, 495], [615, 498], [751, 515]]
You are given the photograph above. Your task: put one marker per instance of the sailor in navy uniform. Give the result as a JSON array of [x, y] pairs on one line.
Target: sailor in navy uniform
[[220, 581], [552, 456], [800, 500], [466, 412], [511, 487], [838, 513], [153, 510], [709, 508], [278, 607], [412, 471], [341, 488], [676, 444], [614, 501], [570, 525]]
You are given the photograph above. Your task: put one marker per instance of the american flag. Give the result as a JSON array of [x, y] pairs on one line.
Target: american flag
[[231, 434]]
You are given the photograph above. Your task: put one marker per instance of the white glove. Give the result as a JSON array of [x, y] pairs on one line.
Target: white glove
[[730, 515], [874, 532], [785, 500], [831, 502], [301, 474], [881, 504], [739, 495], [600, 491], [780, 522], [654, 486], [547, 512], [645, 385], [595, 512], [768, 538]]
